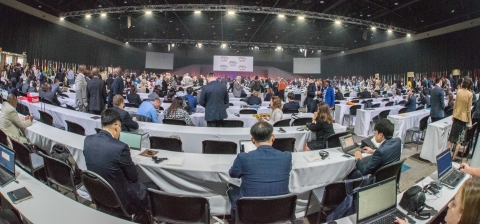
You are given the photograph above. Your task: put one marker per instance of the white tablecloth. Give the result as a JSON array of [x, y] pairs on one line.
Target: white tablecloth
[[341, 110], [362, 124], [409, 120], [436, 139]]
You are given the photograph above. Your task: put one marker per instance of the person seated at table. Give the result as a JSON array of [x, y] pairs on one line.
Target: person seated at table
[[23, 86], [110, 158], [180, 92], [424, 98], [56, 87], [322, 124], [397, 96], [192, 101], [149, 107], [33, 87], [292, 103], [338, 94], [374, 93], [11, 123], [269, 95], [254, 99], [277, 113], [264, 171], [170, 95], [463, 209], [177, 112], [46, 93], [450, 102], [388, 152], [133, 97], [12, 89], [366, 94], [129, 124], [411, 103]]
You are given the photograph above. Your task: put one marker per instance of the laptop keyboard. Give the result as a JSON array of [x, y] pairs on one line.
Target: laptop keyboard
[[390, 218], [452, 177]]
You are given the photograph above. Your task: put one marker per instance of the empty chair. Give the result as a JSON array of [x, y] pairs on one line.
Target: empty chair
[[132, 105], [385, 100], [390, 170], [353, 113], [376, 105], [273, 209], [230, 104], [301, 121], [219, 147], [248, 111], [4, 138], [289, 111], [337, 102], [174, 122], [232, 124], [63, 95], [142, 118], [403, 110], [384, 114], [298, 97], [418, 130], [346, 95], [175, 208], [46, 118], [60, 174], [355, 101], [30, 162], [449, 112], [75, 128], [104, 196], [69, 107], [389, 104], [467, 141], [282, 123], [284, 144], [166, 143], [334, 140], [402, 102]]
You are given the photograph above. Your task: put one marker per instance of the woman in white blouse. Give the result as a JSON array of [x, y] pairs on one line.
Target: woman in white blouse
[[277, 113]]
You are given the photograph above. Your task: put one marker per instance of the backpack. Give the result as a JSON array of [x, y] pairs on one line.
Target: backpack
[[257, 86], [61, 153]]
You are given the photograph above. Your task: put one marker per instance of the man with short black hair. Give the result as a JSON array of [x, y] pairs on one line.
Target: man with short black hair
[[264, 171], [329, 94], [437, 101], [192, 101], [96, 93], [214, 97], [338, 94], [129, 124], [292, 103], [388, 152]]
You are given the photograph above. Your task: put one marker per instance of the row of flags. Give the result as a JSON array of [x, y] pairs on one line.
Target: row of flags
[[56, 65]]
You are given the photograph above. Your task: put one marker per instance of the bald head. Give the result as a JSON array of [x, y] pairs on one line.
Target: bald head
[[95, 72], [12, 100], [81, 68], [117, 71]]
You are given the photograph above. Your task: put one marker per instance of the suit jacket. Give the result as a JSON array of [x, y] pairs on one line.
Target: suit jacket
[[96, 94], [51, 96], [237, 89], [330, 97], [292, 105], [116, 88], [463, 104], [134, 99], [388, 152], [214, 97], [311, 93], [411, 104], [127, 123], [339, 96], [11, 124], [81, 91]]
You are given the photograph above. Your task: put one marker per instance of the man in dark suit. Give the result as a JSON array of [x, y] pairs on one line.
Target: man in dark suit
[[264, 171], [96, 93], [110, 158], [129, 124], [388, 152], [366, 94], [338, 94], [311, 93], [292, 103], [214, 98], [437, 101], [117, 85], [46, 93], [411, 103]]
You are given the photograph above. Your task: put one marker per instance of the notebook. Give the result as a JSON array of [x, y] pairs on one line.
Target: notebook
[[19, 195], [175, 161]]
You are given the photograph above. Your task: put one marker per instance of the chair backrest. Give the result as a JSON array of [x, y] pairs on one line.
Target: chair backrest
[[174, 122], [420, 108], [346, 95], [132, 105], [69, 107], [166, 143], [47, 101], [274, 209], [469, 134], [289, 111], [46, 118], [98, 129], [219, 147], [389, 104], [424, 123], [335, 193], [232, 124], [355, 101], [4, 138], [375, 105], [22, 155], [103, 195], [75, 128], [384, 114], [385, 100], [282, 123], [175, 208], [353, 109], [449, 112], [298, 97], [402, 102], [284, 144], [389, 170], [58, 172], [248, 111], [403, 110], [142, 118], [301, 121], [334, 140], [337, 102], [230, 104]]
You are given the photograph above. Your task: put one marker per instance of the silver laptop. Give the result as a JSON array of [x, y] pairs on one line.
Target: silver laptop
[[134, 141], [247, 146], [348, 145], [7, 165], [377, 203], [447, 175]]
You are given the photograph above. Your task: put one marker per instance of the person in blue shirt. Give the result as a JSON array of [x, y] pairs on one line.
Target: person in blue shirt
[[192, 101], [329, 95], [149, 108]]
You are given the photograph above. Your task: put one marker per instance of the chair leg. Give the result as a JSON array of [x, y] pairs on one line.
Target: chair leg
[[308, 203]]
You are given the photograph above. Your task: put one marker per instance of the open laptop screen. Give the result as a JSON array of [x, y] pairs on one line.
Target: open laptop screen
[[444, 163], [247, 146], [7, 160], [376, 199], [134, 141], [348, 141]]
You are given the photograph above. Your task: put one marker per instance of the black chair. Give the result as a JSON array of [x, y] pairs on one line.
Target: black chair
[[385, 100], [353, 113], [334, 140], [298, 97], [273, 209], [230, 104], [289, 111], [346, 95], [390, 170], [384, 114], [282, 123], [403, 110], [75, 128], [63, 95], [421, 107], [132, 105], [104, 196], [248, 111], [30, 162], [402, 102], [70, 107], [60, 174], [449, 112], [46, 118], [142, 118], [337, 102], [355, 101], [301, 121], [4, 138], [219, 147], [468, 141], [232, 124], [174, 122], [284, 144], [166, 143], [389, 104], [175, 208], [377, 105], [418, 130]]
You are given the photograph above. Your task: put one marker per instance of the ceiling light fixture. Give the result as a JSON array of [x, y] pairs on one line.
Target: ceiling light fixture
[[224, 45], [301, 17], [374, 28], [338, 22], [88, 16], [197, 12], [281, 15], [231, 12], [408, 35], [99, 6], [126, 42], [199, 45], [103, 14], [389, 30], [149, 43], [148, 12], [62, 18]]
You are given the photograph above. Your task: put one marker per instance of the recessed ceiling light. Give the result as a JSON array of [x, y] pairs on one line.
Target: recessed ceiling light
[[301, 17], [408, 35], [149, 43], [368, 15], [396, 3], [125, 2], [231, 12], [39, 6], [338, 22], [321, 2], [88, 16], [197, 12], [99, 6], [126, 42], [389, 30], [281, 15], [62, 18], [374, 28], [224, 45], [103, 14], [148, 12], [453, 10]]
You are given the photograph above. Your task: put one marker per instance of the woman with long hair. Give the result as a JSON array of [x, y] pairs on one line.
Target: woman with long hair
[[322, 124], [277, 113], [462, 116], [176, 111], [269, 94]]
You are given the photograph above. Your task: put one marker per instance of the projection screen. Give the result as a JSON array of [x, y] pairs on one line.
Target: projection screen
[[155, 60], [306, 66], [232, 63]]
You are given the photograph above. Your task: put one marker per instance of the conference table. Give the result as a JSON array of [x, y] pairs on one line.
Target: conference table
[[364, 116], [403, 122], [436, 139]]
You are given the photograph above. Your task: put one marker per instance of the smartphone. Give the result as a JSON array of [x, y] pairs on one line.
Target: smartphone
[[346, 156]]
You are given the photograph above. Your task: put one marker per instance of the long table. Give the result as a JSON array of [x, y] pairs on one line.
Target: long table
[[362, 124], [405, 121], [436, 138]]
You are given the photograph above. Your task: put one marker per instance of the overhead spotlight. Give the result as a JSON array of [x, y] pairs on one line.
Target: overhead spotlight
[[62, 18], [126, 42], [88, 16], [99, 6], [199, 45], [279, 48], [197, 12], [321, 2], [281, 15], [125, 2], [396, 3], [338, 22], [103, 14], [231, 12], [149, 43], [148, 12], [389, 31], [224, 45], [374, 28], [343, 52], [408, 35], [301, 17]]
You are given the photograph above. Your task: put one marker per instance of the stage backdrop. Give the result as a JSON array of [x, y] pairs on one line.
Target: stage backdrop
[[260, 71], [232, 63]]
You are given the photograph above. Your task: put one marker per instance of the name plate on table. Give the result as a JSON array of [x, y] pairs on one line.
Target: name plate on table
[[175, 161], [403, 115]]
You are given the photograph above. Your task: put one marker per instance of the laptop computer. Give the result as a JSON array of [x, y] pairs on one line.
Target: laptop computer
[[247, 146], [447, 175], [7, 165], [348, 145], [377, 203], [134, 141]]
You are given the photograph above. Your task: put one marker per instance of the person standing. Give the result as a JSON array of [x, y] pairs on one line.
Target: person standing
[[81, 90], [281, 89], [96, 93], [461, 115], [214, 97], [237, 87], [71, 76], [117, 85], [329, 95]]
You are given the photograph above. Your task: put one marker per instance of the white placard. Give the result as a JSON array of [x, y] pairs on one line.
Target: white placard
[[6, 156], [232, 63]]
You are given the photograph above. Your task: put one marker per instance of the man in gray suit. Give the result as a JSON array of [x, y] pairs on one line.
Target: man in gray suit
[[81, 89], [237, 87], [437, 101]]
